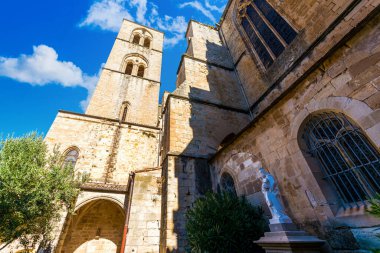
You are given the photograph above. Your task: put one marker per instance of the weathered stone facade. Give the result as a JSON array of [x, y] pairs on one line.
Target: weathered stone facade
[[228, 110], [118, 135]]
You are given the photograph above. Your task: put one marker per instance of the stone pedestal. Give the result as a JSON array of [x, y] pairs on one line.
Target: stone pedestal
[[285, 238]]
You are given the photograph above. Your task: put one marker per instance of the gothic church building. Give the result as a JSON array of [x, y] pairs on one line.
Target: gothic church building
[[293, 84]]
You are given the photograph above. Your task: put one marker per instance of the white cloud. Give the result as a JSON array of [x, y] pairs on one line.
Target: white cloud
[[90, 83], [197, 5], [107, 14], [43, 67], [214, 7], [175, 26], [141, 10]]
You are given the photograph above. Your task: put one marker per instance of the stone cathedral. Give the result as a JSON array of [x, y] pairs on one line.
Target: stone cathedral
[[292, 84]]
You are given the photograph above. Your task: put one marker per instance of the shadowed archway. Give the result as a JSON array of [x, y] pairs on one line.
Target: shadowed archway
[[96, 227]]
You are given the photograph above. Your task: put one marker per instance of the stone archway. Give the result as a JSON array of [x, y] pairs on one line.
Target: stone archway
[[96, 227]]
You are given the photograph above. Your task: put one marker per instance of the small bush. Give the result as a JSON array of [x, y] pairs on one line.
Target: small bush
[[220, 223], [375, 206]]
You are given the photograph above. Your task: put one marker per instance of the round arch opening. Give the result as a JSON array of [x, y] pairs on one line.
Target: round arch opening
[[96, 227]]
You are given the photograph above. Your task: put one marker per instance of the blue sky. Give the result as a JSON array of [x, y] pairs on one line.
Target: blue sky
[[51, 52]]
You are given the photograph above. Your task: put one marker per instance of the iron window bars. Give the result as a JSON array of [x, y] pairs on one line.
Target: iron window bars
[[349, 161], [227, 183]]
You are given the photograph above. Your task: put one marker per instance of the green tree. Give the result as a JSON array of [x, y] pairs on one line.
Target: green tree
[[34, 189], [223, 222]]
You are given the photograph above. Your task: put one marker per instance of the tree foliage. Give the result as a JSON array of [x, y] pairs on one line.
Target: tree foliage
[[223, 222], [34, 188]]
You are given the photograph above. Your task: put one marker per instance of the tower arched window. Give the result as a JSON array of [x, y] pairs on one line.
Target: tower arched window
[[141, 71], [227, 183], [136, 39], [71, 157], [129, 68], [348, 160], [147, 42]]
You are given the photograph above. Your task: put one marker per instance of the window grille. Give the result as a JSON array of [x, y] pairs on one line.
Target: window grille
[[227, 183], [267, 31], [71, 158], [349, 161]]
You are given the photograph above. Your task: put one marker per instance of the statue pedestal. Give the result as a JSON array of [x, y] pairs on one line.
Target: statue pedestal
[[284, 237]]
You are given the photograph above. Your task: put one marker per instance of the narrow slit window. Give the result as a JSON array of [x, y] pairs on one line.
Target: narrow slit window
[[129, 68], [140, 71], [124, 115]]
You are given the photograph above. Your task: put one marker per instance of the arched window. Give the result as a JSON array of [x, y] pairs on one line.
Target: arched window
[[129, 68], [147, 43], [71, 157], [124, 111], [140, 71], [349, 161], [136, 39], [265, 30], [227, 183]]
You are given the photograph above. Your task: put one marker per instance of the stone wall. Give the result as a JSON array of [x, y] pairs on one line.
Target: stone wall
[[197, 129], [311, 19], [206, 71], [347, 82], [145, 220], [114, 87], [127, 28], [107, 150], [205, 44], [185, 180], [210, 83]]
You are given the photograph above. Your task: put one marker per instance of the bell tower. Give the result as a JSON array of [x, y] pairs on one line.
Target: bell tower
[[128, 87]]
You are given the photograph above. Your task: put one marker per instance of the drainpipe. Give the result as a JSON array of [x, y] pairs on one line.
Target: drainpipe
[[131, 183]]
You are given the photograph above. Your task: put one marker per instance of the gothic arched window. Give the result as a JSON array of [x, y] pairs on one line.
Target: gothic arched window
[[129, 68], [348, 160], [265, 30], [71, 157], [227, 183], [136, 39], [140, 71], [147, 43]]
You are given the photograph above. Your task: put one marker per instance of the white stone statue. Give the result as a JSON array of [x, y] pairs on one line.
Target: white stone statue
[[270, 190]]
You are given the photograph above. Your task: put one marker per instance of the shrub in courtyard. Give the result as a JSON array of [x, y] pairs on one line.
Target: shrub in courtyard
[[375, 206], [223, 222]]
